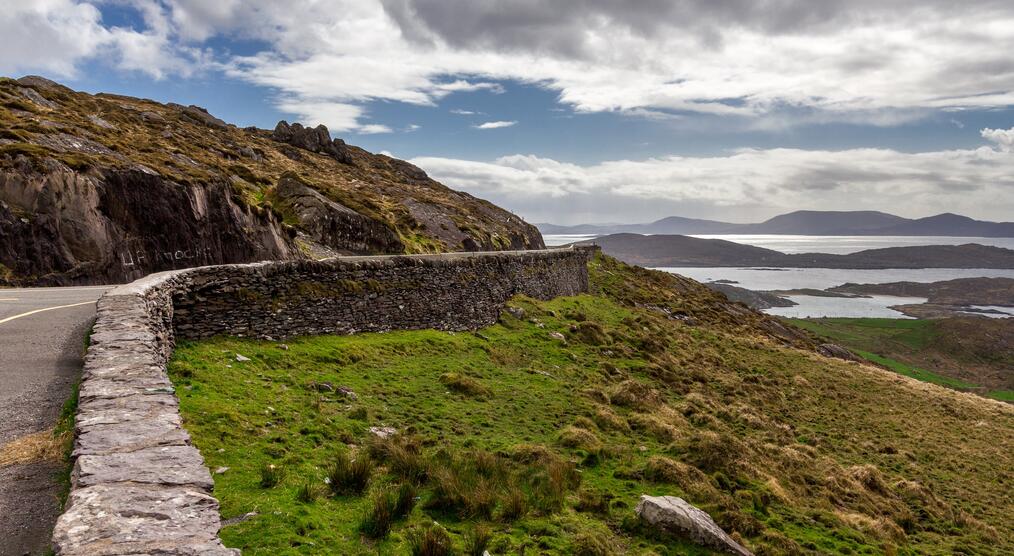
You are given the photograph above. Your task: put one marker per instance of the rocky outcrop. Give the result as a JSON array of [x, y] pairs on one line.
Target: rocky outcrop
[[106, 188], [329, 223], [838, 352], [675, 516], [62, 227], [316, 139]]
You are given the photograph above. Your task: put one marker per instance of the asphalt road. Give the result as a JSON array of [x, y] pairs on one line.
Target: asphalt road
[[42, 334]]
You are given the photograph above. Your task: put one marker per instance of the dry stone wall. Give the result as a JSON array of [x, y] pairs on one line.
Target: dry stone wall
[[138, 485]]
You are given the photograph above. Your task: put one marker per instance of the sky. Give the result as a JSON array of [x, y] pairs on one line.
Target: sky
[[576, 111]]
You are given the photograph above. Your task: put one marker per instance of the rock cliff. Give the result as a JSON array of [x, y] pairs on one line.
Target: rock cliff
[[106, 188]]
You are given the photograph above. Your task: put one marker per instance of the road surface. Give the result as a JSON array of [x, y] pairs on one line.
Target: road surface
[[42, 335]]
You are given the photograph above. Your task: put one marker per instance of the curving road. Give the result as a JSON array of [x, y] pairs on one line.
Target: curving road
[[42, 335]]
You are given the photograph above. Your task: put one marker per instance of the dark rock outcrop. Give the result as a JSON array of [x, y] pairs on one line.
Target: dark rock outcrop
[[114, 227], [315, 139], [329, 223]]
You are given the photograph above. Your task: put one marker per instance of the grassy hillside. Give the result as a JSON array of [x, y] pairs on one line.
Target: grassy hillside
[[542, 446], [968, 353]]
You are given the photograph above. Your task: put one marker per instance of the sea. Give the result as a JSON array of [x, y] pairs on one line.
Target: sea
[[768, 278]]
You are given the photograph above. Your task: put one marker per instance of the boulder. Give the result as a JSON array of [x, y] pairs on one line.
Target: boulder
[[676, 516]]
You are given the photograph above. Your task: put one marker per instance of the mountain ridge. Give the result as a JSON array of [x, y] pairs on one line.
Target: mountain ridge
[[685, 251], [808, 222]]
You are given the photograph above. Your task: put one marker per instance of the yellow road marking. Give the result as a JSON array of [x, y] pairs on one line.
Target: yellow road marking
[[8, 319]]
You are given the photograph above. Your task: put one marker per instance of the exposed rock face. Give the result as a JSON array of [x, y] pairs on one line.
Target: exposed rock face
[[834, 350], [676, 516], [316, 139], [82, 228], [106, 188], [332, 224]]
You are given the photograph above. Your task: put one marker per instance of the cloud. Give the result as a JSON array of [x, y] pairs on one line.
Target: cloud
[[864, 61], [1003, 138], [754, 182], [370, 129], [495, 125], [463, 112]]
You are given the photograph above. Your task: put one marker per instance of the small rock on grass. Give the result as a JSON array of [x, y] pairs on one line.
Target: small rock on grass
[[241, 358], [383, 432], [676, 516]]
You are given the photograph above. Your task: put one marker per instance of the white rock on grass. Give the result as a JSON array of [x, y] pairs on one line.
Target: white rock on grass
[[678, 517]]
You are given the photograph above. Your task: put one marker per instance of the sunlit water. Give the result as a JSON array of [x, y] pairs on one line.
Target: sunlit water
[[838, 245], [823, 278]]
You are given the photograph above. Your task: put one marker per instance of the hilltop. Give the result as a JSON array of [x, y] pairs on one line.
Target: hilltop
[[808, 222], [678, 250], [107, 188]]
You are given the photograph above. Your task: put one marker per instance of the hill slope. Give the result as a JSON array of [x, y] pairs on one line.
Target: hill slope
[[677, 250], [546, 428], [101, 188]]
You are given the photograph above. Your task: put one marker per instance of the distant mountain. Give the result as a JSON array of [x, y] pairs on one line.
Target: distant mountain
[[679, 250], [807, 222], [825, 223]]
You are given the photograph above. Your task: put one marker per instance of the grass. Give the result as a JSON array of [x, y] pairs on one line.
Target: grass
[[788, 451], [970, 354], [919, 374]]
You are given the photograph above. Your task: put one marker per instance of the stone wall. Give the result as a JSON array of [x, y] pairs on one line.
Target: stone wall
[[138, 485]]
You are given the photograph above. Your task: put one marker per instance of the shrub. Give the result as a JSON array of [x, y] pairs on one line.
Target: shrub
[[477, 540], [465, 385], [430, 541], [349, 476], [377, 523], [271, 475]]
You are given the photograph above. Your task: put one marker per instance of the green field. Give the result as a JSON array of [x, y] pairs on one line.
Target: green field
[[894, 344], [543, 446]]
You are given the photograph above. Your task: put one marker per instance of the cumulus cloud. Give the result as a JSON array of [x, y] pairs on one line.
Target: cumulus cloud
[[1003, 138], [759, 181], [495, 125]]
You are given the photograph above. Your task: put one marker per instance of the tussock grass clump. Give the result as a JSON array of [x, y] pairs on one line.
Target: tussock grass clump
[[634, 394], [591, 333], [465, 385], [574, 437], [477, 540], [405, 500], [403, 456], [587, 543], [377, 523], [513, 505], [271, 475], [665, 470], [608, 419], [430, 541], [349, 476], [308, 492]]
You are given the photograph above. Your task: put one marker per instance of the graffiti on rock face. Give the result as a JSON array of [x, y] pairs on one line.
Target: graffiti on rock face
[[139, 257]]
